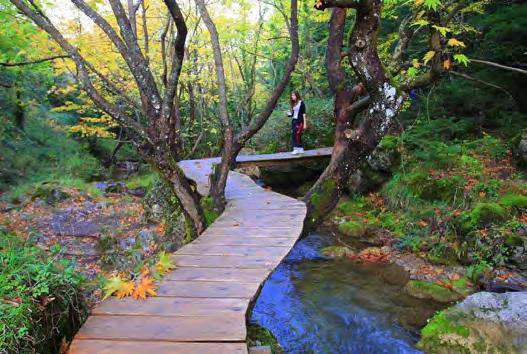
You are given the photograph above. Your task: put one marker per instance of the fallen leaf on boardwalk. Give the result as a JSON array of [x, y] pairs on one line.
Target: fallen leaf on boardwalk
[[118, 286], [236, 224], [164, 264], [146, 287]]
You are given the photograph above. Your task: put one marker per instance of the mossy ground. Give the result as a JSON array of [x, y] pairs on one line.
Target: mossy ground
[[260, 336]]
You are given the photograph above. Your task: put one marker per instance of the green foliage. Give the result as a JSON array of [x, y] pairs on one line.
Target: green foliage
[[258, 336], [210, 214], [476, 270], [40, 298], [514, 201], [143, 180], [427, 290], [482, 215], [352, 228], [434, 335]]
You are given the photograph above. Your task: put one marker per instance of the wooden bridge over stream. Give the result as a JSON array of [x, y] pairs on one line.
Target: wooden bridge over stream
[[201, 306]]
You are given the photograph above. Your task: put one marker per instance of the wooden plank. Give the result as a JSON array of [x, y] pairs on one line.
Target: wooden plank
[[221, 328], [88, 346], [245, 240], [206, 249], [207, 289], [219, 274], [172, 306], [283, 232], [238, 262]]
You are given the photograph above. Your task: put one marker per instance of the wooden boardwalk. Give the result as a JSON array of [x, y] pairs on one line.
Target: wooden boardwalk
[[202, 305]]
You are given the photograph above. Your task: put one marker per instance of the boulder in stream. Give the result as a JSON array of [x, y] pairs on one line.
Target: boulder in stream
[[483, 323]]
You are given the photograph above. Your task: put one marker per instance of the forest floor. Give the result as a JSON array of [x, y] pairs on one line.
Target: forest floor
[[104, 234]]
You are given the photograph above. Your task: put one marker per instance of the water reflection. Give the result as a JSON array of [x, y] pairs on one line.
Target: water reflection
[[313, 305]]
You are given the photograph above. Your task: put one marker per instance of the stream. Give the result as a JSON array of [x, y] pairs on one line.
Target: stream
[[312, 304]]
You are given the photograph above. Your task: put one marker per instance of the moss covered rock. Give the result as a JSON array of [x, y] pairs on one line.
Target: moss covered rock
[[483, 323], [161, 206], [337, 251], [481, 215], [352, 228], [426, 290], [435, 189], [514, 201]]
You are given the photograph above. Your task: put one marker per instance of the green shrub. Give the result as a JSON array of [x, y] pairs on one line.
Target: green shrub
[[514, 201], [40, 298], [476, 270], [431, 189], [352, 228], [481, 215], [390, 142]]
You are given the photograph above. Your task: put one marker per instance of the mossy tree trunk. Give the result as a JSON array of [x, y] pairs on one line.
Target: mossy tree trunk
[[355, 141]]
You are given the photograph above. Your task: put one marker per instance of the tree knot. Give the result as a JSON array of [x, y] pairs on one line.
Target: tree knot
[[360, 43]]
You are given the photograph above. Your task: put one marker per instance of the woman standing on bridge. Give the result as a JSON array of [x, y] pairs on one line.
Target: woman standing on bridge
[[298, 122]]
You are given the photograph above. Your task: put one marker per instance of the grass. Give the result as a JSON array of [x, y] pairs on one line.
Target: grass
[[40, 298]]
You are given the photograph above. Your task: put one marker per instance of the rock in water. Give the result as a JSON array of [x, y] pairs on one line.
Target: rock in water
[[483, 323]]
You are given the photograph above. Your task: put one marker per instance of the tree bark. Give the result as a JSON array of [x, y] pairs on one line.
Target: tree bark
[[353, 144], [221, 171]]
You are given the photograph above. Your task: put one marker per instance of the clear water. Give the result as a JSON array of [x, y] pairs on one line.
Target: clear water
[[315, 305]]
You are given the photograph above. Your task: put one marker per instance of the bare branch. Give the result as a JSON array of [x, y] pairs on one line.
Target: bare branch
[[38, 61], [485, 83], [343, 4], [500, 66]]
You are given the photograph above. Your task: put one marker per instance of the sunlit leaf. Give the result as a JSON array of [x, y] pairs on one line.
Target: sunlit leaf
[[118, 287], [462, 59], [432, 4], [428, 56], [165, 263], [442, 30], [144, 288], [455, 43]]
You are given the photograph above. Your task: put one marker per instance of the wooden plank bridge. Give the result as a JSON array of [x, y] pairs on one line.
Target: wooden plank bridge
[[201, 306]]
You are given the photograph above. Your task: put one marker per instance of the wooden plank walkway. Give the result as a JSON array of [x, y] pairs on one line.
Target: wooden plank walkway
[[202, 305]]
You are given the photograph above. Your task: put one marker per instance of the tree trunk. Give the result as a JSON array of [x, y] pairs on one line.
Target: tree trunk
[[352, 146], [185, 192], [218, 179]]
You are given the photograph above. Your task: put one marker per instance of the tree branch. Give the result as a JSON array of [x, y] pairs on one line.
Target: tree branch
[[343, 4], [500, 66], [485, 83], [38, 61], [334, 55]]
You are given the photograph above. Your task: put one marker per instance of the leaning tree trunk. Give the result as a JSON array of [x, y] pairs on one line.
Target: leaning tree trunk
[[352, 146]]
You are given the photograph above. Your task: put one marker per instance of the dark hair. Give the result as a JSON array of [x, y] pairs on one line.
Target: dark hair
[[297, 95]]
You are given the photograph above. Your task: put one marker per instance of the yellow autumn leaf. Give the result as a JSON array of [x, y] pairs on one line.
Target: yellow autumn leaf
[[416, 64], [447, 64], [428, 56], [455, 43]]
